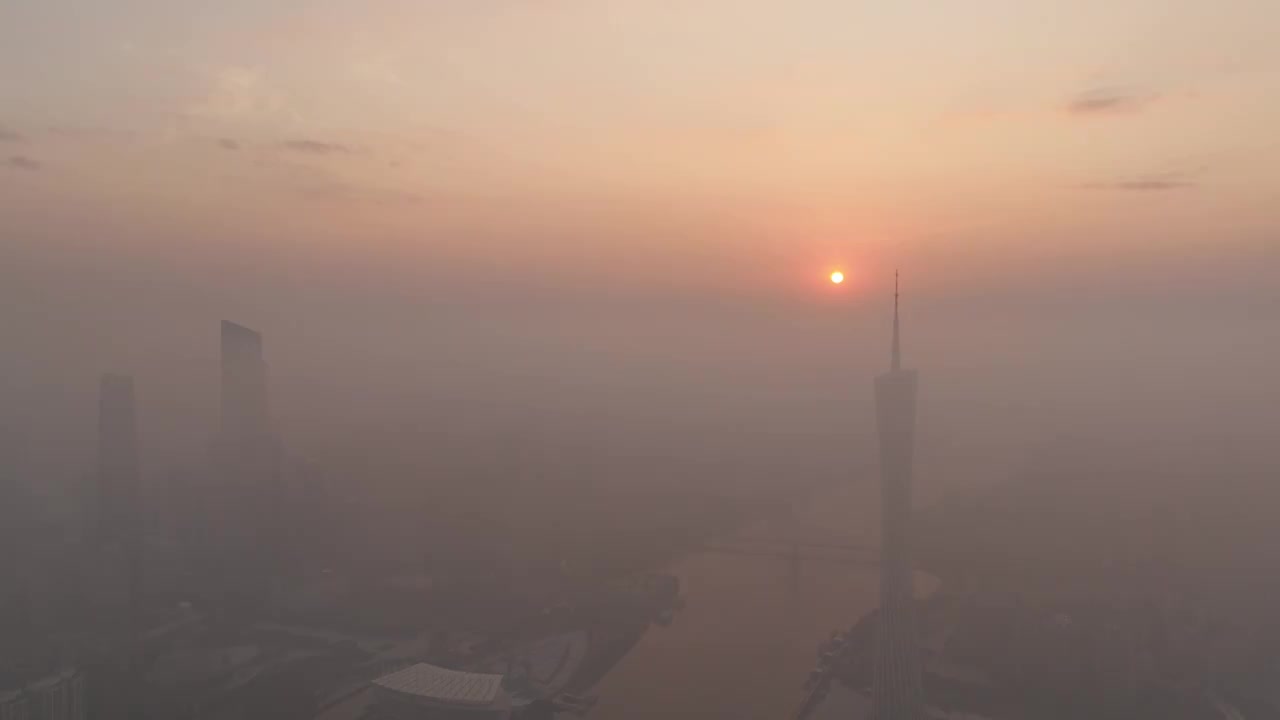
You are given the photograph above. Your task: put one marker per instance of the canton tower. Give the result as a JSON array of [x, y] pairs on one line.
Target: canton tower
[[897, 693]]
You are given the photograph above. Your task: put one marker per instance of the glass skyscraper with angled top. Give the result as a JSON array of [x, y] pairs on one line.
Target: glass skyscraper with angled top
[[245, 415], [897, 693], [246, 503], [115, 503]]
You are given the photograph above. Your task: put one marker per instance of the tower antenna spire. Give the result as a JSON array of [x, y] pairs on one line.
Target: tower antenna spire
[[896, 359]]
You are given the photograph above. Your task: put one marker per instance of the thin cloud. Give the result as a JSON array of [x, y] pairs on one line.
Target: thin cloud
[[315, 147], [1150, 183], [228, 144], [333, 191], [240, 93], [93, 134], [9, 136], [22, 162], [1109, 101], [1154, 185]]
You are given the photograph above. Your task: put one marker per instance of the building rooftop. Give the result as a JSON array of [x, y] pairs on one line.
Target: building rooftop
[[441, 685], [240, 333]]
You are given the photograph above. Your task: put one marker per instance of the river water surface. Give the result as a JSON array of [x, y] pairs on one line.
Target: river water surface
[[748, 635]]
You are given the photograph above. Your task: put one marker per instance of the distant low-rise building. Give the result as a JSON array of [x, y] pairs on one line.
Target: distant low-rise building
[[428, 692], [60, 696], [14, 705]]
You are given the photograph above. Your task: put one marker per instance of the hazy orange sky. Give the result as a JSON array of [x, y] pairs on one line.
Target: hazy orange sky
[[594, 215], [738, 144]]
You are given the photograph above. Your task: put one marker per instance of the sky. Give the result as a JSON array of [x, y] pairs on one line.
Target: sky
[[637, 197], [822, 131]]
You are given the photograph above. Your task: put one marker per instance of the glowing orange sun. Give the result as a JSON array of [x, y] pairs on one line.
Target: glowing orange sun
[[837, 277]]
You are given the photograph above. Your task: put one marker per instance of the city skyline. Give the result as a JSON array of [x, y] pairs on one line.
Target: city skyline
[[532, 359]]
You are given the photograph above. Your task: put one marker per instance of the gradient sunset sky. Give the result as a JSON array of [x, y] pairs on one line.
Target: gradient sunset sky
[[720, 143], [604, 215]]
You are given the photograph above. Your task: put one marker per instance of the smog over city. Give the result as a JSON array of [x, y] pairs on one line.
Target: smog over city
[[517, 359]]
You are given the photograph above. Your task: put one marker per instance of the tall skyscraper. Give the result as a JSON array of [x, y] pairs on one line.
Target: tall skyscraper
[[246, 449], [245, 416], [246, 502], [116, 502], [116, 515], [897, 686]]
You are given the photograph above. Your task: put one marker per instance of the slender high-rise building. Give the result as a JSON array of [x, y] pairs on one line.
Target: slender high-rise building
[[246, 450], [116, 500], [116, 516], [245, 417], [245, 505], [897, 686]]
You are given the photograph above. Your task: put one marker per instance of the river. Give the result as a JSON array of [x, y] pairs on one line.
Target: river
[[748, 634]]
